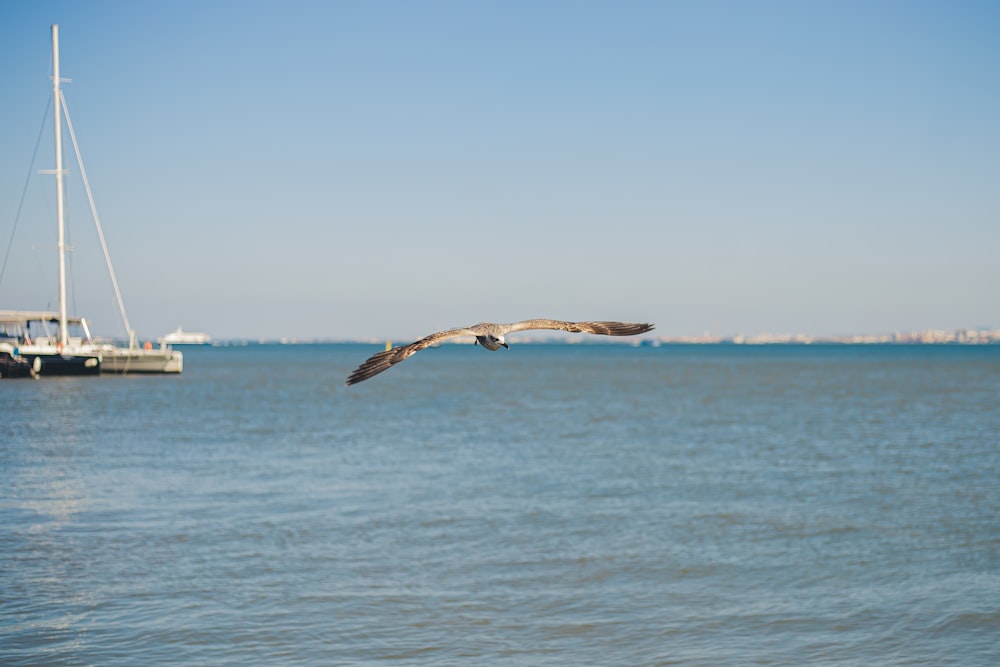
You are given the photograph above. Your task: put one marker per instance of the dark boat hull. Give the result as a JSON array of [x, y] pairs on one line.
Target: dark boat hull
[[14, 367], [48, 365]]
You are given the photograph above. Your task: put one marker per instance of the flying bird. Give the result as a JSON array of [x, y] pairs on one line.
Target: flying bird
[[492, 337]]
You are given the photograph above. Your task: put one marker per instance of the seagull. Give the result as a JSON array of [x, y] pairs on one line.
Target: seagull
[[492, 337]]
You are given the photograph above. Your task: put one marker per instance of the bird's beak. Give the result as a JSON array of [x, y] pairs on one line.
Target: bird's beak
[[505, 346]]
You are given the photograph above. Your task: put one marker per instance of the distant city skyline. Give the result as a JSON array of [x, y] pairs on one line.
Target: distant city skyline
[[929, 336], [318, 170]]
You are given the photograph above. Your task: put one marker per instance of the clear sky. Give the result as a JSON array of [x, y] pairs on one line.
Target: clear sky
[[386, 169]]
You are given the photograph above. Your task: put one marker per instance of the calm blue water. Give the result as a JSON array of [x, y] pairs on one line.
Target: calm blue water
[[546, 505]]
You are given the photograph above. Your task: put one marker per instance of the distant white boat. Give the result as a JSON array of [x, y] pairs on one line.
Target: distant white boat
[[181, 337]]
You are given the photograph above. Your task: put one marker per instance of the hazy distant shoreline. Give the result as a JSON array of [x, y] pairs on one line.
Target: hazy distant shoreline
[[927, 337]]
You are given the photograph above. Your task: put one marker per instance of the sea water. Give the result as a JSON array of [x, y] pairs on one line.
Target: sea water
[[543, 505]]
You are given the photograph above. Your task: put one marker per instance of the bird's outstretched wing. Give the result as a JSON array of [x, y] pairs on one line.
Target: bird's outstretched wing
[[600, 328], [382, 361]]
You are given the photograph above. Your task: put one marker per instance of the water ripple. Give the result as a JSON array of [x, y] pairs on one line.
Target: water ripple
[[593, 505]]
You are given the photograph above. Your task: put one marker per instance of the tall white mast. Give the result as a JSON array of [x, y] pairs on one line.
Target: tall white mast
[[61, 233]]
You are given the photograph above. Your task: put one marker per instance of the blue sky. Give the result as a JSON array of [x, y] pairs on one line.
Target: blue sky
[[386, 169]]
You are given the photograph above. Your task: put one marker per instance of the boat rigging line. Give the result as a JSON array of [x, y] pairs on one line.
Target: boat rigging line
[[97, 222], [24, 191]]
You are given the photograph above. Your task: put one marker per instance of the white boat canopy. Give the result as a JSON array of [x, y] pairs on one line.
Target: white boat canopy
[[24, 316]]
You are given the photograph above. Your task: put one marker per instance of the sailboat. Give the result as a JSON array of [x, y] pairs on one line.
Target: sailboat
[[58, 352], [28, 336]]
